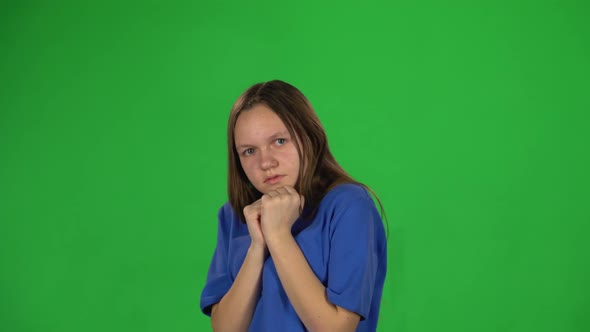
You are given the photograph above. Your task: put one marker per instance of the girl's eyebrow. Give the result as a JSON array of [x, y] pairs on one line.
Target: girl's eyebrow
[[280, 134], [272, 137]]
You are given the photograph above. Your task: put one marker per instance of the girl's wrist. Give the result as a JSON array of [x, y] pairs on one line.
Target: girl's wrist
[[278, 237], [257, 249]]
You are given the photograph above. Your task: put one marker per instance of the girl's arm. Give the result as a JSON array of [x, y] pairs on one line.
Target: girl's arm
[[280, 208], [304, 289], [234, 311]]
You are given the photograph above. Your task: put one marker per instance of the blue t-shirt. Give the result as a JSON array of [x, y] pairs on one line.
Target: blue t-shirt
[[344, 245]]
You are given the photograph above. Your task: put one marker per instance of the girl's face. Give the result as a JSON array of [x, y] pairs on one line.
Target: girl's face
[[267, 151]]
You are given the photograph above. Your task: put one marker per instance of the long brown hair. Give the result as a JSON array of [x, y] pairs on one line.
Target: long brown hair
[[319, 171]]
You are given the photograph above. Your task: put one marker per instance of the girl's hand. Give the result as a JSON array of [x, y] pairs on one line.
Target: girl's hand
[[252, 213], [280, 209]]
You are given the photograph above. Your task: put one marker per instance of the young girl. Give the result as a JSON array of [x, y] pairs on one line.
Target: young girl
[[300, 244]]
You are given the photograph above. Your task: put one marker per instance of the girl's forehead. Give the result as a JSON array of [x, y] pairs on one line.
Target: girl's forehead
[[259, 118], [258, 123]]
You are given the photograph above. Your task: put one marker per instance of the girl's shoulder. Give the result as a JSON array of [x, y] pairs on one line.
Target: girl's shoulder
[[226, 212], [228, 220], [345, 196], [350, 208], [345, 193]]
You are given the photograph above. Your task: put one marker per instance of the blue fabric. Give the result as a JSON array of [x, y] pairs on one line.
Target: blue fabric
[[345, 246]]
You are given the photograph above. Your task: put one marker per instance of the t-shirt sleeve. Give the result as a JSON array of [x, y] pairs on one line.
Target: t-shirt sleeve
[[355, 250], [218, 278]]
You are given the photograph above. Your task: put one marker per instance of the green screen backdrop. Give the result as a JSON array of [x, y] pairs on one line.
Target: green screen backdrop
[[469, 119]]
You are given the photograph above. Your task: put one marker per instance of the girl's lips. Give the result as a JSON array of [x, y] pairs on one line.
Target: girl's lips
[[273, 180]]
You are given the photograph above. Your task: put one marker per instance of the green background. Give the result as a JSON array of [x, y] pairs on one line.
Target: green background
[[469, 119]]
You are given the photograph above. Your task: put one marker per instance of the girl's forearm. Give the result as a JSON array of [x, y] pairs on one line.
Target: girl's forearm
[[234, 311], [305, 291]]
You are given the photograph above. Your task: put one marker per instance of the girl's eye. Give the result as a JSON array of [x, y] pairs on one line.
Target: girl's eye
[[281, 141], [248, 152]]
